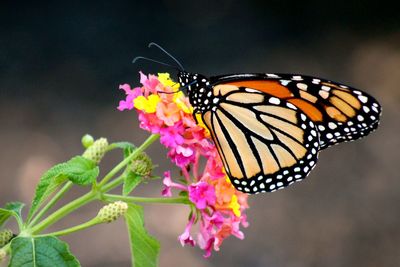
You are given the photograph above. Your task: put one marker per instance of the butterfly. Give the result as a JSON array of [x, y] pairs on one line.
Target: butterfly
[[269, 128]]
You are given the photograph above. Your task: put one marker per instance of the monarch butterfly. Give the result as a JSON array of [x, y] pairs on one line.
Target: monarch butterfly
[[269, 128]]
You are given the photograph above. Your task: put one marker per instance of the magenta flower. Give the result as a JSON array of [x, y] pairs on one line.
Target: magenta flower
[[172, 136], [202, 194], [130, 96], [168, 184], [220, 208], [185, 237]]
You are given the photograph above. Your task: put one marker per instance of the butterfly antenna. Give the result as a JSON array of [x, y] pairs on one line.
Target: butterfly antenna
[[168, 54], [153, 60]]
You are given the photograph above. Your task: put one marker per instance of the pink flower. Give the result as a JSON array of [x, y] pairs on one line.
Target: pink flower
[[230, 227], [172, 136], [220, 208], [206, 242], [180, 159], [202, 194], [169, 113], [130, 96], [185, 237], [168, 184], [149, 122], [215, 220]]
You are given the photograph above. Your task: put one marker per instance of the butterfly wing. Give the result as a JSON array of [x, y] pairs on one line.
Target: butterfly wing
[[340, 112], [265, 143]]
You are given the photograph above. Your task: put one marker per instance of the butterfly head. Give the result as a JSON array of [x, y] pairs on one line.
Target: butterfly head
[[198, 89]]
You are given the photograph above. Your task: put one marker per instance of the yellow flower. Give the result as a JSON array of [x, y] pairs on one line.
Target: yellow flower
[[147, 105], [179, 99], [165, 80], [234, 205], [201, 124]]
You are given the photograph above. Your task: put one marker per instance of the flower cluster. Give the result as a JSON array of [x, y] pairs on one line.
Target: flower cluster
[[219, 208]]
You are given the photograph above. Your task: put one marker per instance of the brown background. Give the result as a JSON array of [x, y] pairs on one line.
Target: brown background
[[60, 67]]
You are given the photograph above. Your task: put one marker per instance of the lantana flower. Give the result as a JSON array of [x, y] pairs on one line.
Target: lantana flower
[[220, 209]]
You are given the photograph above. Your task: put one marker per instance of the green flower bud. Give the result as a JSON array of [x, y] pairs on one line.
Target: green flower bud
[[3, 254], [112, 211], [5, 237], [97, 150], [142, 165], [87, 140]]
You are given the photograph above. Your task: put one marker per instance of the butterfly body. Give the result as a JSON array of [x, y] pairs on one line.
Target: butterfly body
[[269, 128]]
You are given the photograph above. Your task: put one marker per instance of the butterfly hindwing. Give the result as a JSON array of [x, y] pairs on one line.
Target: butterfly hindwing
[[340, 112], [265, 143]]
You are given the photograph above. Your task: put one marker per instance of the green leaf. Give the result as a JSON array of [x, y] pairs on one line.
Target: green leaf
[[11, 209], [127, 147], [16, 207], [144, 248], [131, 180], [81, 171], [124, 145], [41, 252], [48, 183], [4, 215]]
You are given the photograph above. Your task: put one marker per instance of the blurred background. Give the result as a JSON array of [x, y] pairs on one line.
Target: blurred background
[[60, 68]]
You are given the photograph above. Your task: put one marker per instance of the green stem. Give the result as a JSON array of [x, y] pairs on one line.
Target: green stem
[[93, 194], [73, 229], [64, 211], [128, 159], [113, 184], [51, 203], [111, 147], [20, 223], [161, 200]]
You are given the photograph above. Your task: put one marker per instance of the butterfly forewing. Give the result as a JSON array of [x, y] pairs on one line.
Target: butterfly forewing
[[341, 113], [265, 143]]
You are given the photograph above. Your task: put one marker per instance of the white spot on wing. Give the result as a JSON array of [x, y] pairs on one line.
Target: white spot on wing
[[363, 98], [297, 78], [285, 82], [325, 88], [290, 105], [251, 90], [274, 100], [302, 86], [332, 125], [316, 81]]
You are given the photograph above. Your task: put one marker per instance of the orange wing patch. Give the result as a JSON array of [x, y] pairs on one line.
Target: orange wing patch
[[311, 111], [276, 89], [270, 87], [335, 114], [348, 98]]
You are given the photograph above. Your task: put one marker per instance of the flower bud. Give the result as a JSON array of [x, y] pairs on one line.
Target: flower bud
[[97, 150], [112, 211], [142, 165], [87, 140], [5, 237], [3, 255]]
